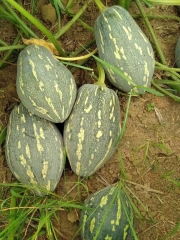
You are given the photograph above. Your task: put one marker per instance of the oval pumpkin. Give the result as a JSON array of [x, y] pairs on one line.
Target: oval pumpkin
[[92, 129], [122, 44], [106, 215], [34, 150], [44, 85]]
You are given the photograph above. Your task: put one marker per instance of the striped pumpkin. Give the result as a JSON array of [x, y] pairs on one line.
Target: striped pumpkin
[[123, 45], [105, 215], [92, 129], [34, 150], [44, 85]]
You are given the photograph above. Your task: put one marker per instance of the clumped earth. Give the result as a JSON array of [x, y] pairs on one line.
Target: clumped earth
[[149, 151]]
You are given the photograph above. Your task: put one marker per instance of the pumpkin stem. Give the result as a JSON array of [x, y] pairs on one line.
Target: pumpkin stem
[[125, 4], [78, 58], [101, 77], [100, 5]]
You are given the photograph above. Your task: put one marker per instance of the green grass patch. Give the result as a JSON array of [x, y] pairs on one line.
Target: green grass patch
[[26, 216]]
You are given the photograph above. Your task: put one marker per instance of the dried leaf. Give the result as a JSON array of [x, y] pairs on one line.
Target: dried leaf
[[158, 115], [41, 42], [72, 216]]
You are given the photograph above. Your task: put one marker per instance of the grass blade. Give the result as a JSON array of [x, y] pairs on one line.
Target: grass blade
[[3, 135], [164, 2], [37, 23], [125, 120]]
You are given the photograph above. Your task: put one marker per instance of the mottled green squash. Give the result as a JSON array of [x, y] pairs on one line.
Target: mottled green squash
[[92, 129], [44, 85], [34, 150], [106, 216], [122, 43]]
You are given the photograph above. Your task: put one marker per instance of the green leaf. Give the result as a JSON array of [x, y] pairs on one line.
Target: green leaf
[[151, 91]]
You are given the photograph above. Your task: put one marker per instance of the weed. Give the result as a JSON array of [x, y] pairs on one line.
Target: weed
[[150, 107]]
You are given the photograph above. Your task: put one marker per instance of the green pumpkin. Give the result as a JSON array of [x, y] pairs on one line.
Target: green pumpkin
[[122, 44], [92, 129], [34, 150], [106, 216], [44, 85]]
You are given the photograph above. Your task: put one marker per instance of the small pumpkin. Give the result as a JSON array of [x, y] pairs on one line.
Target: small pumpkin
[[107, 214], [123, 45], [34, 150], [92, 129], [44, 85]]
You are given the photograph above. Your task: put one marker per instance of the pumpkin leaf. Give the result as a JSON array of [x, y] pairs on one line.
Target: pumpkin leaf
[[48, 45]]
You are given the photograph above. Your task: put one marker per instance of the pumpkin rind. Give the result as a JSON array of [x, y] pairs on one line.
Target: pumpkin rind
[[105, 216], [44, 85], [122, 43], [92, 129], [34, 150]]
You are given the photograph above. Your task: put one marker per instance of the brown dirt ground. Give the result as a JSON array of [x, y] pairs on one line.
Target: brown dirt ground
[[150, 148]]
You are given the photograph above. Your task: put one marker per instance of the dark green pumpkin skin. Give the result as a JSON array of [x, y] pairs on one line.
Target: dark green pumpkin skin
[[122, 43], [92, 129], [45, 86], [105, 216], [34, 150]]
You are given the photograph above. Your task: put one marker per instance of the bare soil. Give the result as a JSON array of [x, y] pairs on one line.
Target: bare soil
[[150, 148]]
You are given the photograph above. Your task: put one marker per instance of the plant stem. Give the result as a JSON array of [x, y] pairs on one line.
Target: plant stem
[[160, 53], [2, 49], [36, 23], [100, 5], [167, 68], [8, 54], [18, 22], [175, 98], [6, 15], [78, 51], [115, 69], [176, 76], [169, 17], [85, 25], [165, 2], [101, 77], [125, 119], [173, 84], [82, 48], [3, 43], [173, 71], [72, 21], [3, 135], [69, 4], [125, 4], [78, 58], [12, 217]]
